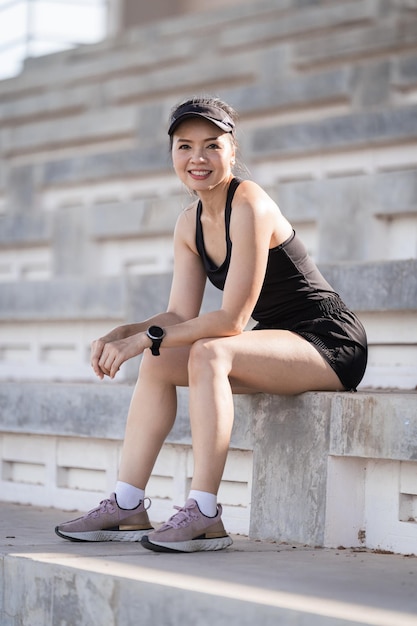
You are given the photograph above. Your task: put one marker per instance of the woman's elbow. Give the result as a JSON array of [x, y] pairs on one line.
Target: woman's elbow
[[237, 324]]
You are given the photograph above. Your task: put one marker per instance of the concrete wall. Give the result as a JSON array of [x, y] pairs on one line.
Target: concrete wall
[[134, 13], [322, 469]]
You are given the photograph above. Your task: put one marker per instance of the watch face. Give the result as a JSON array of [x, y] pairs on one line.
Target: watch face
[[156, 332]]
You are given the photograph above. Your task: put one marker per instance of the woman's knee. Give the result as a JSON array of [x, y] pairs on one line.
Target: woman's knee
[[207, 355]]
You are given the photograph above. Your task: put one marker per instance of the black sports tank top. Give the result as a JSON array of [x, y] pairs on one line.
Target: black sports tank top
[[293, 286], [217, 274]]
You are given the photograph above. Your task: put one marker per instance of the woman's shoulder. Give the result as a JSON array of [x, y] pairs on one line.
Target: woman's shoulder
[[188, 213], [185, 226], [254, 197]]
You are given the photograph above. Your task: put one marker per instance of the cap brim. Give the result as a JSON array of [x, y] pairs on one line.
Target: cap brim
[[224, 127]]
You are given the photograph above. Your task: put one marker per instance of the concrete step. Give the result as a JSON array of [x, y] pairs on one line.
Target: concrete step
[[45, 580]]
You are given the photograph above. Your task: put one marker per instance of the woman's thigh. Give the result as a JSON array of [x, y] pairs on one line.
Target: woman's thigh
[[269, 361], [277, 361]]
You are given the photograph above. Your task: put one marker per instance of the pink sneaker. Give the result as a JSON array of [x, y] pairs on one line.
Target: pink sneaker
[[189, 531], [108, 522]]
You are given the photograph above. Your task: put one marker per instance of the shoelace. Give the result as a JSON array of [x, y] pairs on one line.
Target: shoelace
[[105, 506], [184, 517]]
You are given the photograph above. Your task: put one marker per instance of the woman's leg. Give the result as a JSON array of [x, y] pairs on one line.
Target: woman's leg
[[270, 361], [152, 413], [150, 418]]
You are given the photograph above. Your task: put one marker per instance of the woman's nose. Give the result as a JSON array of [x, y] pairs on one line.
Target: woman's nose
[[198, 156]]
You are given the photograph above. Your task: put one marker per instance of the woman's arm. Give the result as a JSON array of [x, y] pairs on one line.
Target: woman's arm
[[187, 291], [124, 332], [256, 225]]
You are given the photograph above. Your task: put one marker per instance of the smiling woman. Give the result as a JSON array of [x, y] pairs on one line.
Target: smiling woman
[[306, 339]]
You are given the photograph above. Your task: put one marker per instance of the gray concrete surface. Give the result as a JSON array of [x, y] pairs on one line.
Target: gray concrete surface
[[291, 496], [48, 581]]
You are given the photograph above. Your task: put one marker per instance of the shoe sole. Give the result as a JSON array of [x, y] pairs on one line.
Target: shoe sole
[[194, 545], [104, 535]]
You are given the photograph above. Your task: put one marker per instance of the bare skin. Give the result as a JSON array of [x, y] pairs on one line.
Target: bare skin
[[210, 353], [270, 361]]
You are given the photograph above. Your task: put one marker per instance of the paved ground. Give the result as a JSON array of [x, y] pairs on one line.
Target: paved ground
[[271, 583]]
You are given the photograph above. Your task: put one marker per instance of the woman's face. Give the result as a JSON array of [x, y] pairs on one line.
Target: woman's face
[[202, 154]]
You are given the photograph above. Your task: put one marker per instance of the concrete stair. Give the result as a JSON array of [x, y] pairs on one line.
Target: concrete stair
[[46, 581], [321, 469]]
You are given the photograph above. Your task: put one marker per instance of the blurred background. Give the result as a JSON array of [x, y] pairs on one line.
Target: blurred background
[[31, 28]]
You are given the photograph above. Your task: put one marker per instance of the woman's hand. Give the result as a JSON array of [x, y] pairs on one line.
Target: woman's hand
[[108, 356]]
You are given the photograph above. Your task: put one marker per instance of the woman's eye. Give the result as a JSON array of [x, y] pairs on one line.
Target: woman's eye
[[183, 146], [213, 146]]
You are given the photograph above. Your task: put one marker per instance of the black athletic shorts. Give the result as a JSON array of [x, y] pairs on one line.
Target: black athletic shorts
[[337, 334]]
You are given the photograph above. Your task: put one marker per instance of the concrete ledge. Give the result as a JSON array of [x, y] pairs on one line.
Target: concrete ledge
[[313, 455], [301, 24], [63, 299], [142, 217], [291, 442], [378, 286], [25, 229], [376, 425], [295, 485], [380, 38], [97, 411], [353, 130], [46, 580]]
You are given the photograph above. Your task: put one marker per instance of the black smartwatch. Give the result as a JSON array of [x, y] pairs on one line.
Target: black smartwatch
[[155, 334]]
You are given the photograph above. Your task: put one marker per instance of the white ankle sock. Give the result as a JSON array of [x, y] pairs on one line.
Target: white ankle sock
[[128, 496], [207, 502]]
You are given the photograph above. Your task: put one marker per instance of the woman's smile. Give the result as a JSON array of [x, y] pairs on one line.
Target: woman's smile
[[199, 174]]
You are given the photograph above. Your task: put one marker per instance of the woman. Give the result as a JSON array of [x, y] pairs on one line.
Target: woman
[[306, 338]]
